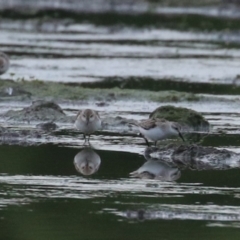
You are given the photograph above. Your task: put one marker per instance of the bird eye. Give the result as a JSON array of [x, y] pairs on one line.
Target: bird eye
[[91, 116], [84, 116]]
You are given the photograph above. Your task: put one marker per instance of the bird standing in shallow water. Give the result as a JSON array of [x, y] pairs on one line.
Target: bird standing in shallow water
[[158, 129], [4, 63], [88, 121]]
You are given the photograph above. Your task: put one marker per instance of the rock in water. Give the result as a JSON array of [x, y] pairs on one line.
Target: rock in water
[[194, 126], [183, 116], [39, 111]]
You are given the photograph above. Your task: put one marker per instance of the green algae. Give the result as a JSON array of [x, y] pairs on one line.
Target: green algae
[[67, 91], [182, 115]]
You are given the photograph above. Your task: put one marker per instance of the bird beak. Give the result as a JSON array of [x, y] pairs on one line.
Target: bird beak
[[87, 121]]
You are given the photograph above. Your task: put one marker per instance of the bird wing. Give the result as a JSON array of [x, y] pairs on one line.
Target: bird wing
[[147, 124]]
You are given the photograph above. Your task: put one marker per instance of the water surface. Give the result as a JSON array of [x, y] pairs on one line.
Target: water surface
[[181, 46]]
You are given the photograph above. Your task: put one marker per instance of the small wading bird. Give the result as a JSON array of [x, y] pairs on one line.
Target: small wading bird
[[4, 63], [158, 129], [88, 121]]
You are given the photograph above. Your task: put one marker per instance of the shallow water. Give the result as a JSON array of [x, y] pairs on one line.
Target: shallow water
[[43, 189], [130, 46]]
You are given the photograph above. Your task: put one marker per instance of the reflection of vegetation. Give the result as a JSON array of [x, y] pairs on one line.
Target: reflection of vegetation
[[174, 21]]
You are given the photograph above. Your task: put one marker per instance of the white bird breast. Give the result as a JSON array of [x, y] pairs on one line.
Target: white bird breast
[[90, 128], [156, 133]]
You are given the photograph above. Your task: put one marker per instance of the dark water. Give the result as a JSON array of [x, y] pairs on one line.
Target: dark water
[[43, 196], [144, 45]]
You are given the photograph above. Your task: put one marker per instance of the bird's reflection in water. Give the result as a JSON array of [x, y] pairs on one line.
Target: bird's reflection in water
[[157, 169], [87, 161]]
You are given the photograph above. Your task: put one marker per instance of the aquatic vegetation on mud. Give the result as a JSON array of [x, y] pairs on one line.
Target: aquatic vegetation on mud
[[184, 116]]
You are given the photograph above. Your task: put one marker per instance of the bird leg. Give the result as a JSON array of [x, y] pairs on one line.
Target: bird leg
[[145, 140], [181, 136], [89, 137], [85, 139]]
